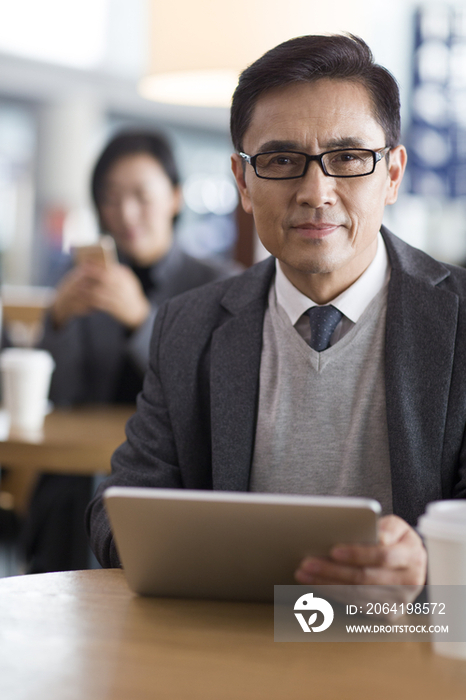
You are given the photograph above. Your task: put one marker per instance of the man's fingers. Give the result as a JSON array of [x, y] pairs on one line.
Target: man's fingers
[[331, 573], [323, 572], [392, 529], [398, 559], [394, 557], [398, 545]]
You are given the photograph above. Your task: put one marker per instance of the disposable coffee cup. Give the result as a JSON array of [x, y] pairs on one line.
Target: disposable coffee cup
[[444, 530], [26, 376]]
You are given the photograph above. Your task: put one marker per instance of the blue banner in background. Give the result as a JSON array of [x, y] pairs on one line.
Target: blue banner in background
[[436, 138]]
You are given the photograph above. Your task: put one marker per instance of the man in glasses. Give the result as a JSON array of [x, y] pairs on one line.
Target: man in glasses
[[334, 367]]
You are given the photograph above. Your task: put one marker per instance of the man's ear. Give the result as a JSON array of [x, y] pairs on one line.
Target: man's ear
[[396, 168], [237, 166]]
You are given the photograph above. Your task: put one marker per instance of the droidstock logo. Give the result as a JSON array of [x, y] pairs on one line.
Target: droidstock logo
[[308, 603]]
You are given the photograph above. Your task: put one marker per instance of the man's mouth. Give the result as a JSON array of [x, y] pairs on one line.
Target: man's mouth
[[316, 230]]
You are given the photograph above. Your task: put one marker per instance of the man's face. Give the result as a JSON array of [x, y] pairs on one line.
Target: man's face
[[322, 229]]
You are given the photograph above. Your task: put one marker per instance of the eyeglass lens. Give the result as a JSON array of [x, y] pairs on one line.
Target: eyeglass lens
[[348, 163]]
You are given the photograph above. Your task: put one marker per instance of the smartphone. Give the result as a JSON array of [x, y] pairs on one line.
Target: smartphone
[[101, 253]]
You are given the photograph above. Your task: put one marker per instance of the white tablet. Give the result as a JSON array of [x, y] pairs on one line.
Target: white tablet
[[227, 545]]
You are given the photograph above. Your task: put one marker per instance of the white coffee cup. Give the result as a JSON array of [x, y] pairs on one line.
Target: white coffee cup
[[444, 530], [26, 375]]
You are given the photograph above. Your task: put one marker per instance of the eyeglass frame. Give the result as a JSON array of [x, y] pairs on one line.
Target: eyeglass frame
[[377, 156]]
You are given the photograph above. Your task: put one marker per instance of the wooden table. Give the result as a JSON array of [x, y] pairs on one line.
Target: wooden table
[[85, 636], [78, 440]]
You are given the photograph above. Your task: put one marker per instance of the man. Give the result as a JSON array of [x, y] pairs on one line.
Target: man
[[335, 368]]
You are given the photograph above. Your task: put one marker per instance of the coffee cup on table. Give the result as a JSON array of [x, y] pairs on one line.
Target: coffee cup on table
[[443, 528], [26, 375]]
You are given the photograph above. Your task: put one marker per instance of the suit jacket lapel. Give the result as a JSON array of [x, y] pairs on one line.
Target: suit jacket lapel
[[234, 366], [420, 338]]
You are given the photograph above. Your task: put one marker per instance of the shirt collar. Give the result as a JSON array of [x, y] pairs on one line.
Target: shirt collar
[[352, 302]]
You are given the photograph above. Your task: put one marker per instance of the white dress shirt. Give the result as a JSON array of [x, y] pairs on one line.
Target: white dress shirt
[[352, 302]]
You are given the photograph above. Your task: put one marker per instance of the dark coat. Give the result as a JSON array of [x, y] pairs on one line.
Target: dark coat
[[196, 417]]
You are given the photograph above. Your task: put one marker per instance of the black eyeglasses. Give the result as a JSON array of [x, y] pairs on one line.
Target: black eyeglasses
[[289, 165]]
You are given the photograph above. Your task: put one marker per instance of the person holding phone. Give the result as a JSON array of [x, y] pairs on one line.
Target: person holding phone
[[99, 327]]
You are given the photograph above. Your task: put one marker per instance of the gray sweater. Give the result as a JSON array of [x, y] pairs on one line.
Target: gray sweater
[[322, 424]]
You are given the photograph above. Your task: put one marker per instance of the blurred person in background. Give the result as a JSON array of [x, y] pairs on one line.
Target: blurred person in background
[[99, 327]]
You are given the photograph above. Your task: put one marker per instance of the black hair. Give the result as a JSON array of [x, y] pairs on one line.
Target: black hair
[[129, 143], [308, 59]]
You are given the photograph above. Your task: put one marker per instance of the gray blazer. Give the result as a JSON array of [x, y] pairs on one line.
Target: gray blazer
[[196, 417]]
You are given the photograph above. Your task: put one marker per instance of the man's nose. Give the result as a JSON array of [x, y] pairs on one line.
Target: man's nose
[[315, 188]]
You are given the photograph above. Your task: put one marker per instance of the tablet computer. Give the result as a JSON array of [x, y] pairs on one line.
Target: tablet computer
[[227, 545]]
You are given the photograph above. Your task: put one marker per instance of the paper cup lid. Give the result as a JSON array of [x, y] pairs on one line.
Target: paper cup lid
[[444, 520], [16, 357]]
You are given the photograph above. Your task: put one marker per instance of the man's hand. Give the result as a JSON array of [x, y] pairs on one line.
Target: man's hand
[[115, 290], [399, 558]]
